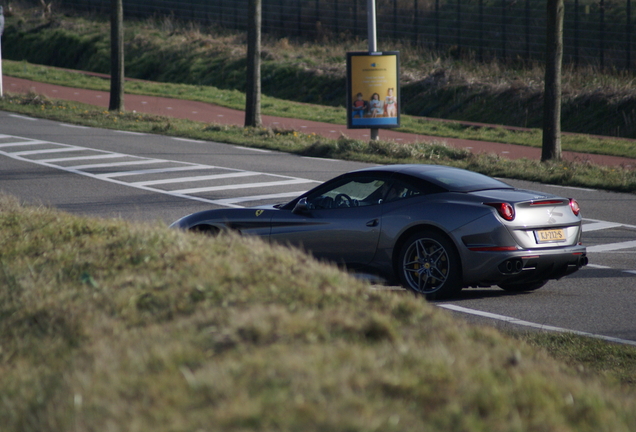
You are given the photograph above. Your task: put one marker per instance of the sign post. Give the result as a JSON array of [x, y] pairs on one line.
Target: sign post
[[373, 87], [373, 46]]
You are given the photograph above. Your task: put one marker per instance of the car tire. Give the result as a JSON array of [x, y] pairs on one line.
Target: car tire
[[429, 264], [521, 287]]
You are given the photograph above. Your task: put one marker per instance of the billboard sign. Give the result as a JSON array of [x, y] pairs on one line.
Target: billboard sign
[[373, 90]]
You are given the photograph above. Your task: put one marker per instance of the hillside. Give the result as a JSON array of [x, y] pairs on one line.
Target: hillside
[[108, 325]]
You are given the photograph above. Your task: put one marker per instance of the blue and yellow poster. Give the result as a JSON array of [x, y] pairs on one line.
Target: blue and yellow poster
[[373, 90]]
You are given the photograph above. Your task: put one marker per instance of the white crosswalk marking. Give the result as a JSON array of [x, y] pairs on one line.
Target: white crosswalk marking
[[599, 226], [211, 179], [154, 171], [241, 186], [612, 246], [194, 179], [79, 158], [22, 143], [258, 198], [46, 151], [139, 161], [595, 224]]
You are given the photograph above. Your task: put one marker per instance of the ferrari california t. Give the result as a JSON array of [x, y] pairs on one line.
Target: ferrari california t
[[435, 229]]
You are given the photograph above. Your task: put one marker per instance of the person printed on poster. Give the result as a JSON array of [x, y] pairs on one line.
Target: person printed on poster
[[390, 104], [376, 105], [360, 106]]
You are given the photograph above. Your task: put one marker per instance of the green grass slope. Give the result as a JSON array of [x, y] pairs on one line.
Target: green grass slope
[[106, 325]]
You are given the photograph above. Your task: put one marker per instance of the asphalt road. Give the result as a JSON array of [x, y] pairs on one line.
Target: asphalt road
[[152, 178]]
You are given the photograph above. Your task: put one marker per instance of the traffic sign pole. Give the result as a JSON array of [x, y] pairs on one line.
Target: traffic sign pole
[[373, 46], [1, 30]]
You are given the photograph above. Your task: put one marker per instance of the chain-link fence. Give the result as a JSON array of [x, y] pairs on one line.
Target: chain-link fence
[[596, 32]]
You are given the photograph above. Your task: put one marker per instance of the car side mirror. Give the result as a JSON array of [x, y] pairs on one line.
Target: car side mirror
[[301, 206]]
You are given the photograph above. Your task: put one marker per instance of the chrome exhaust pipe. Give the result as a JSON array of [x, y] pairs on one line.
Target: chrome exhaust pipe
[[511, 266]]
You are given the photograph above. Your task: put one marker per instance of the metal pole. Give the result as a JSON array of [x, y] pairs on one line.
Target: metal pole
[[373, 47], [602, 34], [1, 30], [1, 93], [628, 37], [576, 33], [481, 31], [373, 41], [504, 33]]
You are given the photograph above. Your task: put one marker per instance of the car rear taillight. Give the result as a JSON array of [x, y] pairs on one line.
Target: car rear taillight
[[576, 209], [505, 210]]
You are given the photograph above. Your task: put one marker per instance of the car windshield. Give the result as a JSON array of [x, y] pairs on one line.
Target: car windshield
[[465, 181]]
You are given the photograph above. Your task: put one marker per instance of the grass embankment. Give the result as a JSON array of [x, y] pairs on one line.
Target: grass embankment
[[572, 173], [110, 325], [435, 85]]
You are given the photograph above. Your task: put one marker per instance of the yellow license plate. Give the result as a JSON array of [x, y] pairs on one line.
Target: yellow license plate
[[553, 235]]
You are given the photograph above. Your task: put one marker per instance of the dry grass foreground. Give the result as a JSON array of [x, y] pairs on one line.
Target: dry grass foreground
[[110, 326]]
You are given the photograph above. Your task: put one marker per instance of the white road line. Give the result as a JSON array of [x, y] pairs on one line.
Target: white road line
[[74, 126], [612, 246], [188, 140], [130, 133], [196, 178], [602, 267], [599, 266], [23, 143], [531, 324], [155, 171], [110, 165], [22, 117], [599, 226], [323, 159], [258, 197], [601, 221], [253, 149], [45, 151], [240, 186], [77, 158], [573, 188]]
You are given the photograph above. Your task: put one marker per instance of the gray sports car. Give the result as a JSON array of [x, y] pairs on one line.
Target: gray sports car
[[435, 229]]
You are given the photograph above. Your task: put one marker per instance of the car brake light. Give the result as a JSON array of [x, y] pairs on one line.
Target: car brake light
[[576, 209], [546, 202], [505, 210]]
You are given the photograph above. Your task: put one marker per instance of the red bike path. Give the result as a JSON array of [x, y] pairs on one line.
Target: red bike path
[[209, 113]]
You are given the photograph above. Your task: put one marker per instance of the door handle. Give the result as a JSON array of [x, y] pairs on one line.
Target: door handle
[[373, 223]]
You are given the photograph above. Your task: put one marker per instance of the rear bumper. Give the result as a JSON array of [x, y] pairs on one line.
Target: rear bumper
[[524, 266]]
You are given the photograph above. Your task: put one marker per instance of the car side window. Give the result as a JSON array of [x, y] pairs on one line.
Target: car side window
[[400, 190], [352, 192]]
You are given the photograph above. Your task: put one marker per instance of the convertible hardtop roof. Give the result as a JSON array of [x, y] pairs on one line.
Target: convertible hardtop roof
[[450, 178]]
